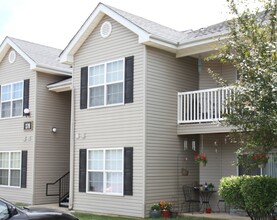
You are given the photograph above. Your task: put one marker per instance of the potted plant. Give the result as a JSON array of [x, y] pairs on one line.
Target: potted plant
[[210, 187], [165, 208], [260, 159], [155, 211], [201, 159]]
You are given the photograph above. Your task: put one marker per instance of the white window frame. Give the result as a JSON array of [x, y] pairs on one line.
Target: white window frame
[[105, 84], [105, 172], [9, 169], [11, 100]]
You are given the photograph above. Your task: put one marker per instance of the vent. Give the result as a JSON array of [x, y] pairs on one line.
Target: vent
[[106, 29], [12, 56]]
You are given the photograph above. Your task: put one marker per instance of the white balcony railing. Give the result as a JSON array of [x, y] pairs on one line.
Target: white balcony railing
[[203, 105]]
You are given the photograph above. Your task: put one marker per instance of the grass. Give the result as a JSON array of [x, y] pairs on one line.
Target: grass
[[21, 204], [85, 216]]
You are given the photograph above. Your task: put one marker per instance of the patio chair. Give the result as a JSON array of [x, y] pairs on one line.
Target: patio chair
[[190, 197]]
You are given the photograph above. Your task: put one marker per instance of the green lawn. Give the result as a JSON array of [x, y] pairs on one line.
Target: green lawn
[[85, 216]]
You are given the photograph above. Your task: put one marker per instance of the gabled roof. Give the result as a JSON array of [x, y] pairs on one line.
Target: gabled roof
[[149, 33], [41, 58]]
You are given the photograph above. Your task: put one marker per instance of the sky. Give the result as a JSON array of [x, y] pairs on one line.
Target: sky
[[55, 22]]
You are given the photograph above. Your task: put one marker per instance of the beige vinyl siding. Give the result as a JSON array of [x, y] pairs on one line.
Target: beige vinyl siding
[[52, 150], [114, 126], [165, 155], [12, 135], [221, 157], [227, 71], [202, 128]]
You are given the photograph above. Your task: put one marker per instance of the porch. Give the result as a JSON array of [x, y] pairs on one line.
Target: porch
[[200, 111]]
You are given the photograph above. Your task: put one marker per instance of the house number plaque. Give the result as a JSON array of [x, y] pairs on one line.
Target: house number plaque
[[28, 125]]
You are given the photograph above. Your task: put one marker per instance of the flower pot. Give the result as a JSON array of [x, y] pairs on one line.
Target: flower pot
[[262, 165], [202, 164], [155, 214], [208, 210], [165, 213]]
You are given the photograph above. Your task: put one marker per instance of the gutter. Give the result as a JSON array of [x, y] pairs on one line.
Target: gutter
[[49, 69], [200, 41]]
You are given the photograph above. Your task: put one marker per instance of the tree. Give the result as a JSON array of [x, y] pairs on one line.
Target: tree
[[251, 47]]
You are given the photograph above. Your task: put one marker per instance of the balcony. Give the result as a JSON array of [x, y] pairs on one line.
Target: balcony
[[203, 105]]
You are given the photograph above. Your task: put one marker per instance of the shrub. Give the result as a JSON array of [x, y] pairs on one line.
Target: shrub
[[229, 190], [155, 207], [255, 194], [260, 195]]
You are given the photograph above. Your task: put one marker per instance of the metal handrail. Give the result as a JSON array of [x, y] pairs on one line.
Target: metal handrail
[[63, 183]]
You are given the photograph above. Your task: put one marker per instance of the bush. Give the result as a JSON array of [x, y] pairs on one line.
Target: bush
[[230, 191], [260, 194], [257, 195]]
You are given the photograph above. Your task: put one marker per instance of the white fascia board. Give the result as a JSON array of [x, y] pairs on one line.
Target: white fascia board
[[6, 46], [199, 46], [158, 45], [51, 70], [60, 88], [3, 50], [68, 53], [164, 42], [76, 42], [195, 50], [67, 59]]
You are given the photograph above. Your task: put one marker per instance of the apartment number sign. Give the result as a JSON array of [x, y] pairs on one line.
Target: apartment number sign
[[28, 125]]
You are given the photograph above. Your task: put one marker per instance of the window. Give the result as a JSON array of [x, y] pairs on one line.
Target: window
[[11, 100], [105, 171], [106, 84], [248, 171], [10, 168], [271, 166]]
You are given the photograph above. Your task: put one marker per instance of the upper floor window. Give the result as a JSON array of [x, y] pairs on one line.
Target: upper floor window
[[106, 84], [10, 168], [11, 100]]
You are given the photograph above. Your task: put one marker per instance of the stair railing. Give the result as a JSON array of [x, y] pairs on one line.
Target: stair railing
[[63, 184]]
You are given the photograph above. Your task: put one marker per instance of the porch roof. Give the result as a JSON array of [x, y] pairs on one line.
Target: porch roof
[[61, 86]]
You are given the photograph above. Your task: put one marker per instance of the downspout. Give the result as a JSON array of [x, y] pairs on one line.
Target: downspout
[[72, 143]]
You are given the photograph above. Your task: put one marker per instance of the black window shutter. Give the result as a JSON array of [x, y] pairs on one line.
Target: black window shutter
[[23, 169], [128, 171], [82, 170], [26, 93], [84, 88], [129, 79]]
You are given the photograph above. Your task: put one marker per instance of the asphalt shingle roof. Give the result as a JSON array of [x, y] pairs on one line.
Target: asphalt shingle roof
[[40, 54], [169, 33], [150, 26]]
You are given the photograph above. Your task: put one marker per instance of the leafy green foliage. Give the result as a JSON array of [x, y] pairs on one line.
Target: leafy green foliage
[[230, 190], [260, 194], [255, 194], [251, 48]]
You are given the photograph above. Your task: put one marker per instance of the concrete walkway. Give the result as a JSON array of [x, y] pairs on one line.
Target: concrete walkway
[[52, 206], [216, 216]]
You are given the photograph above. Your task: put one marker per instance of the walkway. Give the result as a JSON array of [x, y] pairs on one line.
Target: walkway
[[216, 216]]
